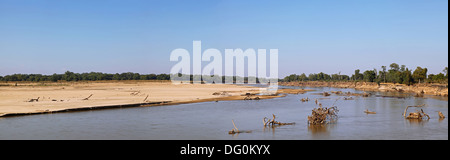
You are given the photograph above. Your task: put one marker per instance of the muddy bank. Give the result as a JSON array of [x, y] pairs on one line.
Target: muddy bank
[[426, 89]]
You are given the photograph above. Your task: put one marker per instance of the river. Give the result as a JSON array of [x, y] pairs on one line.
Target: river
[[213, 120]]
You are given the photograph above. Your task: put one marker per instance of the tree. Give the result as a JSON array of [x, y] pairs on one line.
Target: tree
[[345, 77], [290, 78], [136, 76], [312, 77], [116, 76], [406, 77], [420, 74], [357, 75], [369, 75], [320, 76], [152, 76], [438, 78], [446, 72], [69, 76], [55, 77], [394, 74], [303, 77], [402, 68], [394, 67], [163, 77], [335, 77], [383, 73]]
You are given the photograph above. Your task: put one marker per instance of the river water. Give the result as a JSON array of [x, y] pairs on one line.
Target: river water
[[212, 120]]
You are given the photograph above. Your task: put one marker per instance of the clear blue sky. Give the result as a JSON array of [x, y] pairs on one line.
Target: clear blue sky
[[52, 36]]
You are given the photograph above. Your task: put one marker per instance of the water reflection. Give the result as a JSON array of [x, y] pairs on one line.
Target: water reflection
[[315, 129], [417, 122], [321, 131], [271, 128]]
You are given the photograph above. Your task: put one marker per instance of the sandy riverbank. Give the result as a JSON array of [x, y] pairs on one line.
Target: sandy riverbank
[[427, 89], [68, 96]]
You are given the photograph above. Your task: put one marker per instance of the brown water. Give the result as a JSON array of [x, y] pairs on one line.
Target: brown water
[[212, 120]]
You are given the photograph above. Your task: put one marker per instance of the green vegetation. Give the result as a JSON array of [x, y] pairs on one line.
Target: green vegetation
[[97, 76], [395, 74], [92, 76]]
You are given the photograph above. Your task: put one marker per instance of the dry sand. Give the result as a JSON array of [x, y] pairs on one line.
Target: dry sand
[[61, 97]]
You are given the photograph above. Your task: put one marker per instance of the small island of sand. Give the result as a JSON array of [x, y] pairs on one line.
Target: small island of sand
[[37, 98]]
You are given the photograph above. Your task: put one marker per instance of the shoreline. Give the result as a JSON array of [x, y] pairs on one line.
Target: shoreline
[[69, 97], [418, 89]]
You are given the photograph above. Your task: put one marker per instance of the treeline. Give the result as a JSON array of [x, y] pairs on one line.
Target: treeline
[[92, 76], [97, 76], [395, 74]]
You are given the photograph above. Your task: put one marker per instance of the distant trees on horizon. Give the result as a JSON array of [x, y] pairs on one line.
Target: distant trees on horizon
[[396, 74], [92, 76]]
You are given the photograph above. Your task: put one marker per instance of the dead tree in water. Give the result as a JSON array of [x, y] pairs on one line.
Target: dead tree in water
[[441, 116], [323, 115], [236, 130], [369, 112], [304, 99], [272, 122], [416, 115]]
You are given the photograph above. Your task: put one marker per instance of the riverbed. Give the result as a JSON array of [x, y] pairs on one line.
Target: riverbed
[[213, 120]]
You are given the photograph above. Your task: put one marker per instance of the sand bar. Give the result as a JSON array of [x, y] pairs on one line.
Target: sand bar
[[37, 98]]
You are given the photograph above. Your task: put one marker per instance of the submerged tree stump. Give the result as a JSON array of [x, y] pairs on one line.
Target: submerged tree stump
[[416, 115], [323, 115], [235, 130], [272, 122], [369, 112], [441, 116]]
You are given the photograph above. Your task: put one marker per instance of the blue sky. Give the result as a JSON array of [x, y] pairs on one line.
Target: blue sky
[[52, 36]]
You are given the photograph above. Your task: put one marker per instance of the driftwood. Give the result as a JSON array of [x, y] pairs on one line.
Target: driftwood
[[416, 115], [34, 100], [248, 94], [369, 112], [441, 116], [399, 97], [221, 93], [404, 113], [348, 98], [418, 95], [304, 99], [235, 130], [365, 94], [135, 93], [87, 98], [250, 98], [337, 92], [323, 115], [272, 122], [146, 98]]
